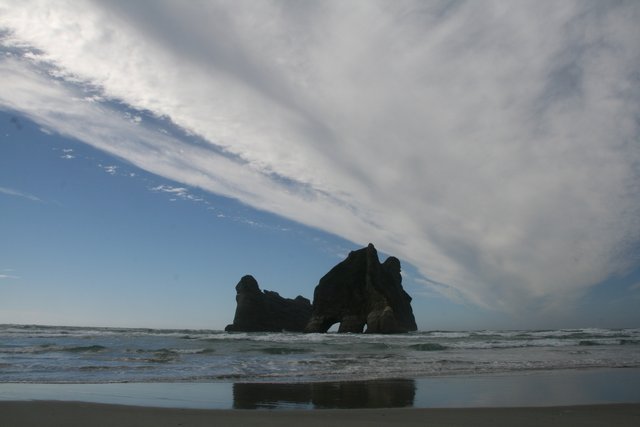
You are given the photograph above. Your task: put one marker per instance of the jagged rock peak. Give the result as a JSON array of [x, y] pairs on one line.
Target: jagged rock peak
[[360, 292]]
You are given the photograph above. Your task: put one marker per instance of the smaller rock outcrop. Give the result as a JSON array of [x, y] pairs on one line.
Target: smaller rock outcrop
[[267, 311]]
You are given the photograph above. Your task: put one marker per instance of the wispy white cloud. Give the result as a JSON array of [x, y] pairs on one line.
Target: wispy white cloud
[[16, 193], [170, 189], [67, 154], [7, 274], [110, 169], [180, 192], [493, 145]]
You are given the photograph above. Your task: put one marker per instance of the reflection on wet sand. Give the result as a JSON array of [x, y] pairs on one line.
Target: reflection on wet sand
[[341, 395]]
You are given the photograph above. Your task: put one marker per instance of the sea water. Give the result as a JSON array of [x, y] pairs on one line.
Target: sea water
[[82, 355]]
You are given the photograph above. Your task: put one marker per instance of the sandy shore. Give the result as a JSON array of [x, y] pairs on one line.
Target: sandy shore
[[49, 414]]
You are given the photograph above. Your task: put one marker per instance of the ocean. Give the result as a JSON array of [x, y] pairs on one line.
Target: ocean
[[84, 355]]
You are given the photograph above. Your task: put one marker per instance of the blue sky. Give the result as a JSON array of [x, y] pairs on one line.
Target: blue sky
[[152, 153]]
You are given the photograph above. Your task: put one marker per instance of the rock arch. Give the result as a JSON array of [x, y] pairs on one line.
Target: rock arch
[[361, 293]]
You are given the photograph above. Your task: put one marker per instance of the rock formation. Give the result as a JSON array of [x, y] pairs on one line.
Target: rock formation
[[357, 293], [361, 292], [267, 311]]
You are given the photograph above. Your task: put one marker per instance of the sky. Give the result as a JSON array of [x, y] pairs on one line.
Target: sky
[[154, 152]]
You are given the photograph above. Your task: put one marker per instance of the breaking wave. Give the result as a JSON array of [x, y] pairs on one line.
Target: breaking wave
[[96, 355]]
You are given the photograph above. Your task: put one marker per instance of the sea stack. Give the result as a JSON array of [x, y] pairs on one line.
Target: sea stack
[[267, 311], [361, 292], [358, 293]]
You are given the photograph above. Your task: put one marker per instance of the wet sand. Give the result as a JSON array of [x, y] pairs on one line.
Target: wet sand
[[69, 414], [531, 389], [558, 398]]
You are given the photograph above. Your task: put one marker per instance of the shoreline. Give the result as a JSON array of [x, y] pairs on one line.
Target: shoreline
[[508, 390], [53, 414]]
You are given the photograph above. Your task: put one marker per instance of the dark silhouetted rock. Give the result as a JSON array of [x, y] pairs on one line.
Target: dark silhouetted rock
[[361, 292], [267, 311]]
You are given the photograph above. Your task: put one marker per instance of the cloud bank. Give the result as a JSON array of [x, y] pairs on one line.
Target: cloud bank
[[495, 146]]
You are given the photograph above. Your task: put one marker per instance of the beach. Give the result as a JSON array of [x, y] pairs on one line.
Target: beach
[[595, 398], [68, 414], [514, 390]]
